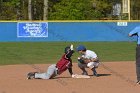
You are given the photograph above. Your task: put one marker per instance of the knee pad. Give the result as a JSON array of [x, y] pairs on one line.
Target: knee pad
[[90, 65]]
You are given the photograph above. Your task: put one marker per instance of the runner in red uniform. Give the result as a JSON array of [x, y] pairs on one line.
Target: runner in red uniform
[[56, 69]]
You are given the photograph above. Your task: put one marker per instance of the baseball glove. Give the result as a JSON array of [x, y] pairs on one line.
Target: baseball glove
[[83, 60]]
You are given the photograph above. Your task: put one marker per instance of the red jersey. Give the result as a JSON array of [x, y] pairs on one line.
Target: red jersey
[[63, 64]]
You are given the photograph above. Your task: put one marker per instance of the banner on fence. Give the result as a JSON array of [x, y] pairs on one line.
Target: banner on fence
[[32, 29]]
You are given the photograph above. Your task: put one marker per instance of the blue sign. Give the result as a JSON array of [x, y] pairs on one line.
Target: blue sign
[[32, 29]]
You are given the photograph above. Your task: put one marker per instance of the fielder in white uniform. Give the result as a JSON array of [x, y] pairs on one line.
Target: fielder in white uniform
[[88, 59]]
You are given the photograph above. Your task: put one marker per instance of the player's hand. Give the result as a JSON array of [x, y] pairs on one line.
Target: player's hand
[[83, 60], [86, 60], [71, 47], [79, 58]]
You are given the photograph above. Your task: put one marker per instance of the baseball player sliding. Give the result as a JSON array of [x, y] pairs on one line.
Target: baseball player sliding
[[56, 69], [88, 59]]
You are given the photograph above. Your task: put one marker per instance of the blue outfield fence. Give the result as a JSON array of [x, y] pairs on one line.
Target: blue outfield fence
[[66, 31]]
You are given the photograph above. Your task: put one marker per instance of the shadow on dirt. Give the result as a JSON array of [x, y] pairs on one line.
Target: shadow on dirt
[[102, 75]]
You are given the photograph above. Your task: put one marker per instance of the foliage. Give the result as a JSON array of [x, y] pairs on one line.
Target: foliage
[[58, 9], [79, 10], [63, 9], [8, 10]]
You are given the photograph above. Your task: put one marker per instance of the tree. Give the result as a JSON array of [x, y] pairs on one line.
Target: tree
[[8, 10], [45, 17], [61, 9], [79, 10], [135, 9], [58, 9], [30, 9], [0, 4]]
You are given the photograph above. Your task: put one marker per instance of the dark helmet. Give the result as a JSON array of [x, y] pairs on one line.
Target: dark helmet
[[81, 47], [67, 49]]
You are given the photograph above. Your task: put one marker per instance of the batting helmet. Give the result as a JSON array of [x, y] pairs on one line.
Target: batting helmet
[[80, 47]]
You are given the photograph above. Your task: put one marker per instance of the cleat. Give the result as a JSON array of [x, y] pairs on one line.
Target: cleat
[[138, 82], [85, 73], [94, 72], [31, 75]]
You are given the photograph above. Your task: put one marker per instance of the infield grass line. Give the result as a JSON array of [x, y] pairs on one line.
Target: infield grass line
[[51, 52]]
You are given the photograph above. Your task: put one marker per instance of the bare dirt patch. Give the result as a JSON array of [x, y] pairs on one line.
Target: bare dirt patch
[[114, 77]]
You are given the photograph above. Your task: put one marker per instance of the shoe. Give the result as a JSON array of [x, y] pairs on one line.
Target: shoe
[[85, 73], [138, 82], [94, 72], [31, 75]]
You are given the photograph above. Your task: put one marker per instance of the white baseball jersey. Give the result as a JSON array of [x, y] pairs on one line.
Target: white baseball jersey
[[89, 54]]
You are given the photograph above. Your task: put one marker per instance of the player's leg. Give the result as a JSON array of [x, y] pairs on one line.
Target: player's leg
[[138, 73], [93, 66], [94, 72], [31, 75], [51, 72], [138, 63], [82, 67]]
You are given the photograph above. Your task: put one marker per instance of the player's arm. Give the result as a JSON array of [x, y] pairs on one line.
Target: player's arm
[[91, 60], [133, 32], [70, 52], [83, 60], [86, 60], [130, 35], [94, 59]]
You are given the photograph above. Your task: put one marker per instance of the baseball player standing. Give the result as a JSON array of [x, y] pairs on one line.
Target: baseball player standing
[[88, 59], [56, 69], [136, 32]]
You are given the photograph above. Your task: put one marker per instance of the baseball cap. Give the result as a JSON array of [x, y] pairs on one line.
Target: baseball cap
[[80, 47]]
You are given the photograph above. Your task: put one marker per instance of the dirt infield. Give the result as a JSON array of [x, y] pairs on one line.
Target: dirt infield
[[114, 77]]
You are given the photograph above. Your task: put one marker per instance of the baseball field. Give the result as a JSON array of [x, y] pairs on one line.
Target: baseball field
[[116, 71]]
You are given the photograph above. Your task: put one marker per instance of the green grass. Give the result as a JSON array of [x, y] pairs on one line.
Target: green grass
[[50, 52]]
